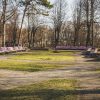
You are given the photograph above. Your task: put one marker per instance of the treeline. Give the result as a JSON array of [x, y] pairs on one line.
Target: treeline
[[87, 23], [14, 14], [25, 22], [84, 27]]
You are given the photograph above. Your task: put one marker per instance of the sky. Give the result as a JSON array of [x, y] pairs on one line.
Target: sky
[[68, 15], [70, 4], [69, 1]]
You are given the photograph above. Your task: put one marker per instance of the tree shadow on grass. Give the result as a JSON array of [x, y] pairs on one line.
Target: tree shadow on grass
[[50, 94], [94, 60], [91, 58]]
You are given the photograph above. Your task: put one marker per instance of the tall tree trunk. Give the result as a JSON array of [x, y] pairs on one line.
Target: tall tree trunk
[[22, 24], [4, 24], [92, 22], [88, 25]]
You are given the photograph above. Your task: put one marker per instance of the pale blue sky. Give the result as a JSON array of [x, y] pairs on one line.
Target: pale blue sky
[[69, 1], [70, 5]]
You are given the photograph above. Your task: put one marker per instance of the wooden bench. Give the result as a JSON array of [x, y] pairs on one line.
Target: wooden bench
[[87, 52], [98, 53], [94, 52]]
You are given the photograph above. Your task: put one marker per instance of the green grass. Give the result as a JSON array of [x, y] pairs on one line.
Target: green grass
[[37, 61], [45, 56], [97, 70], [27, 66], [60, 89]]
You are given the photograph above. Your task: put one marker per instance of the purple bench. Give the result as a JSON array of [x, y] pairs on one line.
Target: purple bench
[[16, 49], [4, 50], [1, 50], [21, 48], [71, 48], [11, 49]]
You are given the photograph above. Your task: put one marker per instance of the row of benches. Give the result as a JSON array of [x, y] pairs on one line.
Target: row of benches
[[11, 49], [92, 52], [71, 47]]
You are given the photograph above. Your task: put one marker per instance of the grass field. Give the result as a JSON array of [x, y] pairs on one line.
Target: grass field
[[57, 89], [37, 60]]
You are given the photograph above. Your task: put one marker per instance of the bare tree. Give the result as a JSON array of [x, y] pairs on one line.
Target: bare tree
[[58, 19], [31, 3], [7, 12], [77, 14], [90, 8], [85, 18]]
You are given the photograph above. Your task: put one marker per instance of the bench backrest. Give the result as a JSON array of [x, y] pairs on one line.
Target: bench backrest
[[10, 48], [3, 48], [96, 50], [16, 48], [89, 49]]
